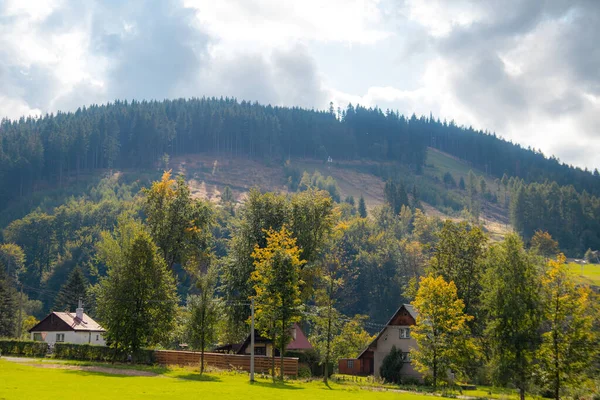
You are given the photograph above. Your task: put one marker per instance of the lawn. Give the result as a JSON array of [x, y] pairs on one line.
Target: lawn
[[19, 381], [586, 273]]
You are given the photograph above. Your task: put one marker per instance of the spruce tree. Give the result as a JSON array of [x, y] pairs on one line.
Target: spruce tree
[[73, 290], [362, 208]]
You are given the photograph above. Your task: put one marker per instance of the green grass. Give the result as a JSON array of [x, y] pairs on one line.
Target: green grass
[[20, 381], [587, 273]]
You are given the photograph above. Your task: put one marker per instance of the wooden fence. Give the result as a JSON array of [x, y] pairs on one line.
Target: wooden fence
[[226, 361]]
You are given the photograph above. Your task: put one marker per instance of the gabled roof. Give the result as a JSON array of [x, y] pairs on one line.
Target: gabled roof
[[411, 311], [57, 321], [299, 343]]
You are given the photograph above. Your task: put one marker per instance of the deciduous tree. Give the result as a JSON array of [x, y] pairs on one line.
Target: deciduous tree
[[136, 302], [568, 343], [442, 331], [512, 301], [277, 287]]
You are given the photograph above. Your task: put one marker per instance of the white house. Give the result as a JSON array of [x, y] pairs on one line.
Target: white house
[[67, 327]]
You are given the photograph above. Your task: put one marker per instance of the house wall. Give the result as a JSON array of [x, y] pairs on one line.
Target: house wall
[[269, 350], [345, 368], [76, 337], [391, 337]]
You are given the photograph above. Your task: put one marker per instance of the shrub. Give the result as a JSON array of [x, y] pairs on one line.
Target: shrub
[[392, 365], [88, 352], [304, 372], [23, 348]]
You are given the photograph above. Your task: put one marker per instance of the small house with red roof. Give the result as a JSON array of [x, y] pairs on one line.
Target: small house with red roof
[[67, 327], [264, 346]]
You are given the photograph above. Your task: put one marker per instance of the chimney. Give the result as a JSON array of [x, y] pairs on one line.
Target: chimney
[[79, 311]]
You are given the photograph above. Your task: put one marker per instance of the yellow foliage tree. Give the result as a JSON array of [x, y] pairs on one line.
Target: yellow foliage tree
[[442, 332], [277, 287], [568, 343]]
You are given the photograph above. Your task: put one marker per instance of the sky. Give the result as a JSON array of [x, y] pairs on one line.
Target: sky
[[528, 70]]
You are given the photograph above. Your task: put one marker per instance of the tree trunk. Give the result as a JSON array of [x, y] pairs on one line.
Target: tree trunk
[[282, 349], [522, 393], [202, 356]]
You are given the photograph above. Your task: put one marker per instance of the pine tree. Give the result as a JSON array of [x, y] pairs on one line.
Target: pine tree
[[362, 207], [73, 290]]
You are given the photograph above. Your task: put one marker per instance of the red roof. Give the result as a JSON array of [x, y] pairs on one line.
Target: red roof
[[300, 342]]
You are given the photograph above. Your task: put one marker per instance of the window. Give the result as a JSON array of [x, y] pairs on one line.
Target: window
[[97, 337], [260, 351], [404, 333], [37, 336], [60, 337], [350, 364], [406, 356]]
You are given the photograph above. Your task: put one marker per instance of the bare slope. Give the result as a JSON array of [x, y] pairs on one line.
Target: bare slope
[[208, 175]]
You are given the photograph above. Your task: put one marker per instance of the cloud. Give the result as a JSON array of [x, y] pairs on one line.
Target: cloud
[[527, 70]]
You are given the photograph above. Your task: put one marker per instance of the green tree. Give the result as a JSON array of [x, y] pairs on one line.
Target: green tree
[[204, 313], [442, 331], [175, 221], [331, 280], [227, 195], [277, 286], [590, 256], [449, 181], [568, 345], [12, 259], [391, 366], [362, 207], [483, 185], [352, 339], [459, 257], [73, 290], [8, 306], [512, 301], [137, 300], [259, 213], [544, 245], [395, 195]]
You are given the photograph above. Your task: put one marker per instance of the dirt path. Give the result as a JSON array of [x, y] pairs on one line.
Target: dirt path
[[42, 363]]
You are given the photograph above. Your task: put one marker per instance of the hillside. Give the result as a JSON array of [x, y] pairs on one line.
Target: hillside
[[209, 174], [44, 161]]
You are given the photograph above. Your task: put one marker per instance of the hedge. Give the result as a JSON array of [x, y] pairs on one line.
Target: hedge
[[89, 352], [23, 348]]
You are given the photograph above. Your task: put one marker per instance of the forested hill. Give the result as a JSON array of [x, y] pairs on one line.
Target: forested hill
[[138, 134]]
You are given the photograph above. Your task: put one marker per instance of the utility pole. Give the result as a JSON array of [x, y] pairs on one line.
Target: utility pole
[[20, 325], [252, 341]]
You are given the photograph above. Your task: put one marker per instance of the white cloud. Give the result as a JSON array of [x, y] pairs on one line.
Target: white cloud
[[525, 69]]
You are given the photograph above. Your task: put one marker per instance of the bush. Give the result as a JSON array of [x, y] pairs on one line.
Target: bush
[[88, 352], [392, 365], [23, 348], [304, 371]]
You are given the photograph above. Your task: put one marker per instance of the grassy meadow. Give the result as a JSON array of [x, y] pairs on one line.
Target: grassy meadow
[[58, 379], [586, 273], [19, 381]]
